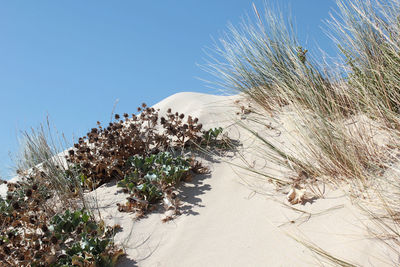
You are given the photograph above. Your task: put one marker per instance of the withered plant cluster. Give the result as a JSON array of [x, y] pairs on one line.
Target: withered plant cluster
[[140, 151], [33, 234], [101, 155]]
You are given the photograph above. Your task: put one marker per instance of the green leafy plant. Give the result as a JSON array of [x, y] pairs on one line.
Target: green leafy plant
[[151, 176], [83, 239], [33, 234], [102, 154], [210, 137]]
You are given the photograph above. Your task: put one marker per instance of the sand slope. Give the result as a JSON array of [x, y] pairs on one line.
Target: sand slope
[[225, 223]]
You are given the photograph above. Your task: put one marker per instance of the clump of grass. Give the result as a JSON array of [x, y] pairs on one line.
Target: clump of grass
[[265, 60], [367, 33], [346, 122], [42, 156]]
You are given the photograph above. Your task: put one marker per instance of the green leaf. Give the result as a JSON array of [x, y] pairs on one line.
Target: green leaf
[[130, 186], [103, 244], [91, 225], [85, 217]]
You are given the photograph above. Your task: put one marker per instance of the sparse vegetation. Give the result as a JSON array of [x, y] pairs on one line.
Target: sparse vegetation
[[102, 154], [32, 233], [346, 131], [338, 116], [41, 156], [152, 179], [146, 154]]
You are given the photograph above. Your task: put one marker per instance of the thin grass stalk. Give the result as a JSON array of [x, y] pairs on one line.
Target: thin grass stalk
[[41, 151]]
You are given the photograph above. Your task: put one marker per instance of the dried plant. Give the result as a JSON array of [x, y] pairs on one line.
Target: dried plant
[[134, 150], [101, 155], [141, 152], [33, 234]]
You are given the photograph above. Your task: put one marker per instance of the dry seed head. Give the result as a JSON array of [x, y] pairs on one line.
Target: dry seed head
[[28, 192]]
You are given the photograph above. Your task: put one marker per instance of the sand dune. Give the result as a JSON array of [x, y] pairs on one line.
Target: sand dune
[[225, 223], [231, 217]]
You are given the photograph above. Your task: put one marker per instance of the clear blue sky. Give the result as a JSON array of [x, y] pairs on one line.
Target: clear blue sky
[[73, 59]]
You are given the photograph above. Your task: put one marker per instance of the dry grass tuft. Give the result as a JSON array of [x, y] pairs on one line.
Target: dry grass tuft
[[344, 124]]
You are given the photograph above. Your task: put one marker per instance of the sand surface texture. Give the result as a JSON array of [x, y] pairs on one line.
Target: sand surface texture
[[224, 222], [231, 217]]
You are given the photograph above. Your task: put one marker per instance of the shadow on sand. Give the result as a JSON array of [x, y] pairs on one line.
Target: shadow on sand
[[190, 192], [127, 262]]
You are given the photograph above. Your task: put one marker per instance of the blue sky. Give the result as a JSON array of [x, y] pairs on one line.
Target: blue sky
[[71, 60]]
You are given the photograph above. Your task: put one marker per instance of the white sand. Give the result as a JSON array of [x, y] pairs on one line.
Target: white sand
[[224, 223]]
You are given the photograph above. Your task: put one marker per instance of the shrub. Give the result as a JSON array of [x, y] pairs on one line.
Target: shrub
[[102, 154], [31, 236], [33, 233], [136, 151]]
